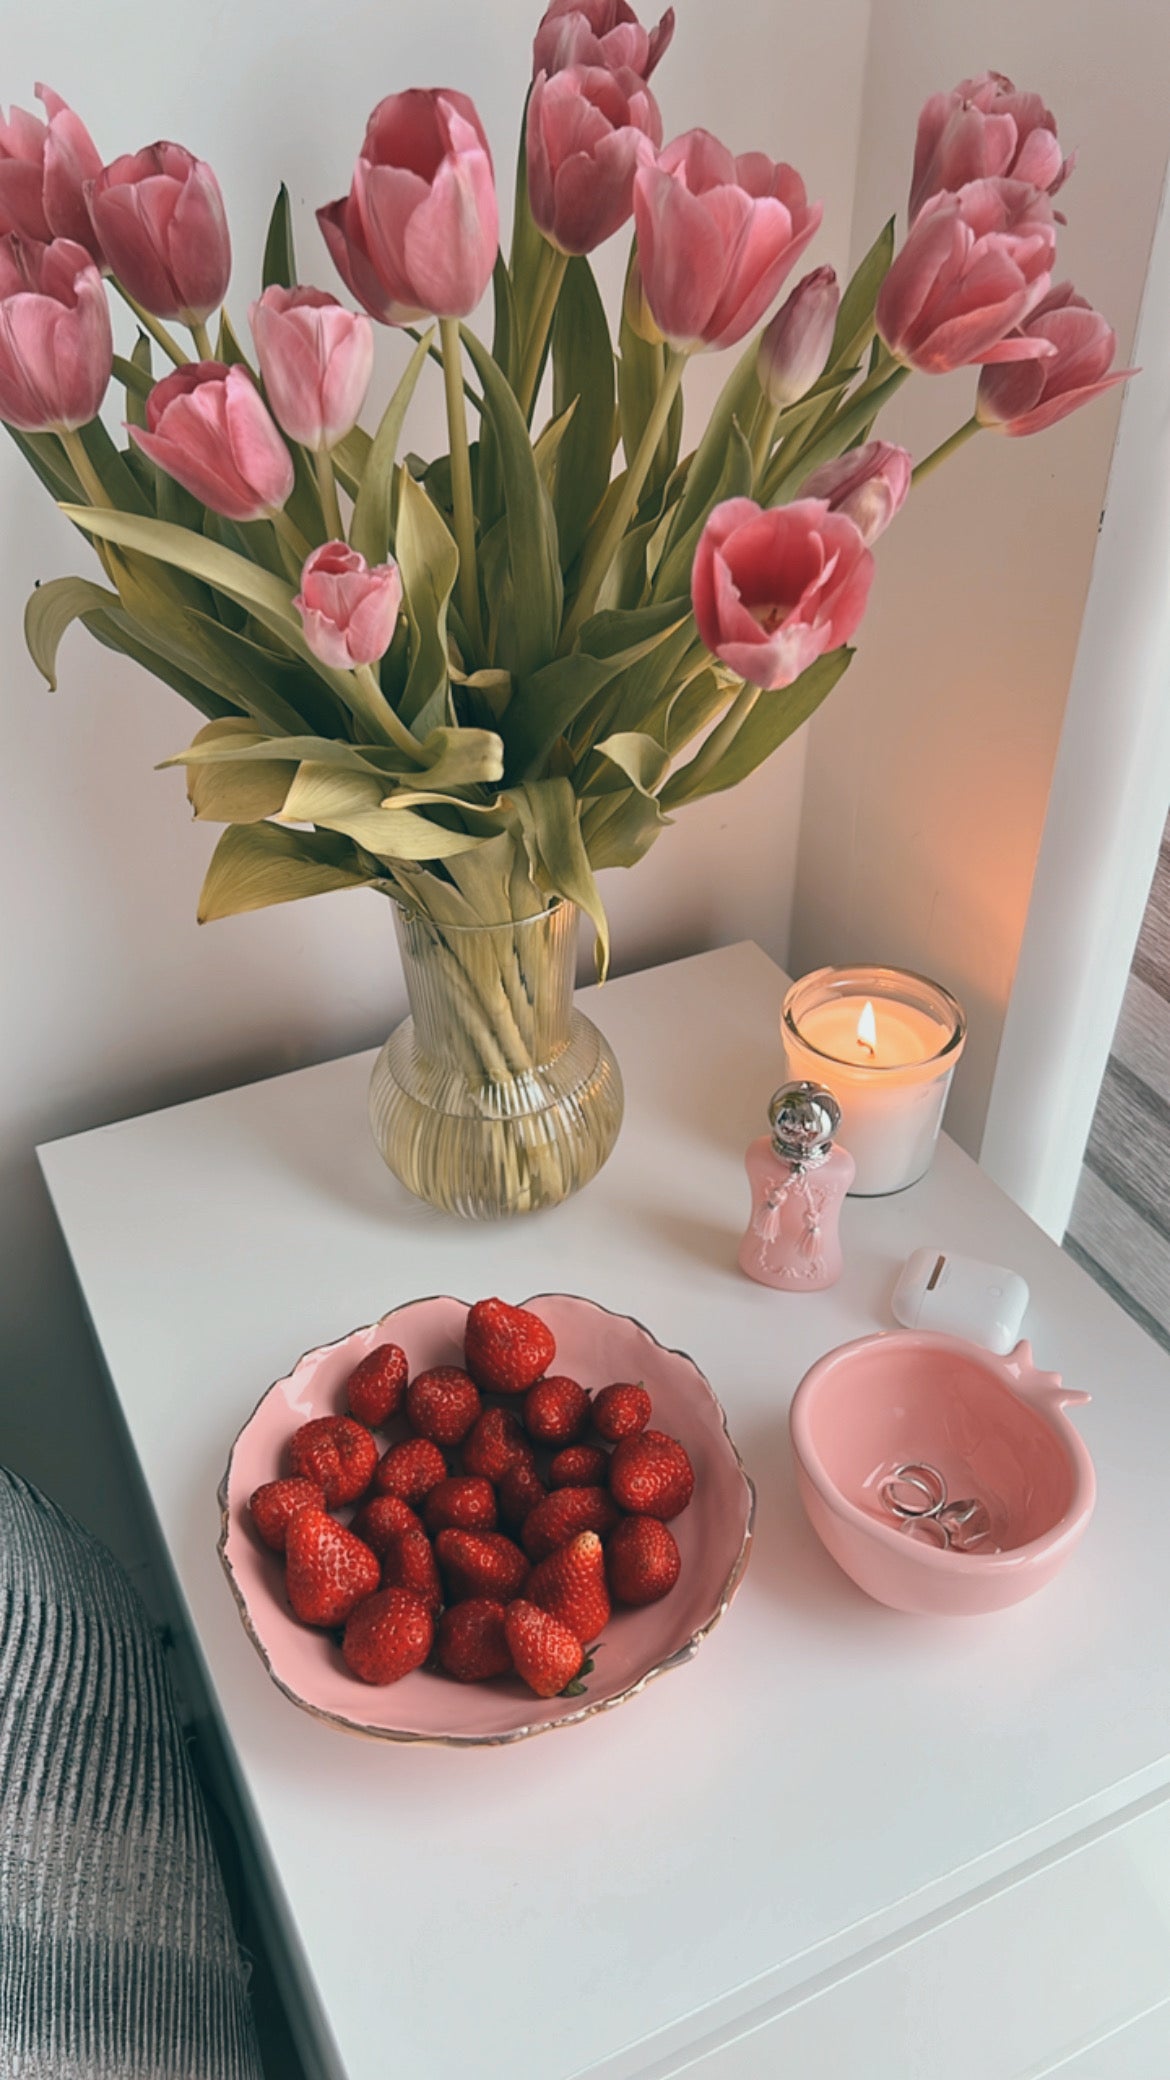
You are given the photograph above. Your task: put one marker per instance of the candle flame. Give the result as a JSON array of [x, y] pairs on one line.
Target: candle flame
[[867, 1029]]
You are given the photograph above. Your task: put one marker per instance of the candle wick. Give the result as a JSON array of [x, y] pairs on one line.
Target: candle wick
[[866, 1047]]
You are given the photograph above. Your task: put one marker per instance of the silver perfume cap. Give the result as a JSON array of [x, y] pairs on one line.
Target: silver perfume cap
[[804, 1117]]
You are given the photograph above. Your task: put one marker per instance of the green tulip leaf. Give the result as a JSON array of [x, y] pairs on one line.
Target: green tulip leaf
[[639, 758], [528, 631], [116, 630], [734, 480], [51, 608], [352, 803], [773, 719], [583, 373], [619, 829], [429, 562], [257, 864], [640, 371], [854, 327], [279, 268], [231, 791], [551, 814], [372, 529]]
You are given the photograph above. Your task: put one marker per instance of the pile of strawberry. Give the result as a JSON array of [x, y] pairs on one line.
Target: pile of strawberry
[[423, 1569]]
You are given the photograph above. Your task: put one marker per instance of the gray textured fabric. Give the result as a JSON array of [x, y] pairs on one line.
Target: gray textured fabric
[[117, 1954], [1119, 1229]]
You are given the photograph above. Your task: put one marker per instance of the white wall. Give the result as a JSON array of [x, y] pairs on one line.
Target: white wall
[[1106, 814], [114, 1002], [928, 773]]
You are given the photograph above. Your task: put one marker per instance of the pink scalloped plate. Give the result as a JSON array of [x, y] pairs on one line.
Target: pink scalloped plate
[[594, 1346]]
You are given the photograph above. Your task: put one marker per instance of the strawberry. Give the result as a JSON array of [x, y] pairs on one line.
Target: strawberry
[[495, 1442], [621, 1411], [381, 1519], [409, 1563], [375, 1388], [641, 1561], [275, 1505], [519, 1491], [570, 1585], [562, 1515], [544, 1651], [580, 1466], [463, 1503], [410, 1470], [388, 1636], [556, 1411], [442, 1404], [481, 1563], [327, 1569], [336, 1453], [651, 1475], [507, 1348], [470, 1640]]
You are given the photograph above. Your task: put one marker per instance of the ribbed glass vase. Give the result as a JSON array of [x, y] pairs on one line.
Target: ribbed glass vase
[[496, 1095]]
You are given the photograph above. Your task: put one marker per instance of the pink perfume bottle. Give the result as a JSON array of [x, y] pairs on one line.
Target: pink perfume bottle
[[798, 1180]]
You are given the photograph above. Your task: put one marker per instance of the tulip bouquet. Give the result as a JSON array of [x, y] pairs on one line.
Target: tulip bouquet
[[473, 681]]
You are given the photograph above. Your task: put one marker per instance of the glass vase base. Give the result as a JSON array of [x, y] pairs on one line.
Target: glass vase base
[[485, 1148]]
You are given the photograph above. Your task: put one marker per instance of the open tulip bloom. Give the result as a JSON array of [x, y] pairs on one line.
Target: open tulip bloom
[[473, 682]]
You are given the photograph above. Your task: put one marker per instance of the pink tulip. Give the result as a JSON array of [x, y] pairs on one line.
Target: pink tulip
[[795, 346], [1027, 396], [972, 268], [43, 169], [589, 130], [349, 611], [316, 360], [867, 484], [598, 32], [209, 428], [418, 233], [774, 589], [56, 347], [716, 237], [984, 128], [160, 218]]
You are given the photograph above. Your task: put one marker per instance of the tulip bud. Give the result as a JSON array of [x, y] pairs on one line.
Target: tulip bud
[[795, 346], [348, 609], [316, 359], [209, 428], [160, 218], [56, 347], [867, 484]]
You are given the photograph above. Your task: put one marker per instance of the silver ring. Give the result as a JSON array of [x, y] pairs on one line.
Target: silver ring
[[967, 1523], [926, 1482], [927, 1530]]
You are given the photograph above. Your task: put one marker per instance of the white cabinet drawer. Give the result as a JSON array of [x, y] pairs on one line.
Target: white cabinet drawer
[[1016, 1986]]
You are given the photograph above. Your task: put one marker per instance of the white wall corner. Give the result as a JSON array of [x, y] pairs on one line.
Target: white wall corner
[[1107, 808]]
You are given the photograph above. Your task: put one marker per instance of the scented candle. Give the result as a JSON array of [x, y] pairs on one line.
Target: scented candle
[[885, 1042]]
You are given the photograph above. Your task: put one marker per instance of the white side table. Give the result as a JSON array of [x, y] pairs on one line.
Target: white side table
[[841, 1841]]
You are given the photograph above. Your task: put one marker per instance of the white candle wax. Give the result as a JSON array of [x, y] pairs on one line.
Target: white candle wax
[[891, 1091]]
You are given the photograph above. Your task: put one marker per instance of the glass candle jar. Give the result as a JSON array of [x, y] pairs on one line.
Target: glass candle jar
[[885, 1042]]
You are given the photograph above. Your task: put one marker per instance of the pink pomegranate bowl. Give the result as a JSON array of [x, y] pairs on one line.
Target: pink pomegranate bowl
[[593, 1346], [995, 1430]]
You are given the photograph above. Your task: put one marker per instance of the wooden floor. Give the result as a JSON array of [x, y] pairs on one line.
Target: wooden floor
[[1119, 1229]]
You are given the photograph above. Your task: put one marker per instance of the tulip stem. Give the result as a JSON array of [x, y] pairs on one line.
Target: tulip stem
[[327, 486], [555, 263], [157, 330], [601, 556], [83, 469], [202, 339], [762, 443], [369, 705], [711, 750], [948, 447], [463, 511], [291, 536]]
